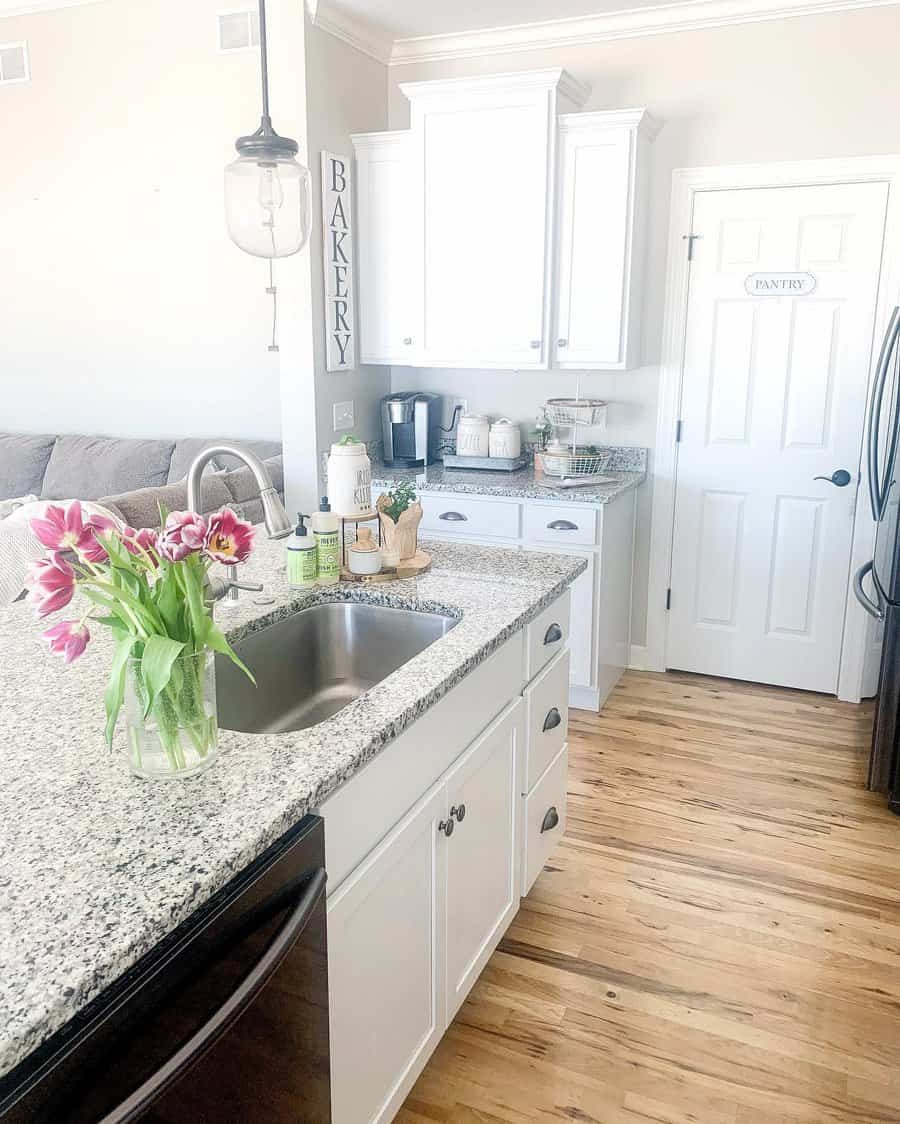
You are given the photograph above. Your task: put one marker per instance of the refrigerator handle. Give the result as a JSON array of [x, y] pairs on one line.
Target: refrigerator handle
[[876, 496], [874, 609]]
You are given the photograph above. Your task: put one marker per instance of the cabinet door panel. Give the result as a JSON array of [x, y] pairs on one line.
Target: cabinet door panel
[[595, 221], [384, 192], [385, 939], [485, 179], [482, 853]]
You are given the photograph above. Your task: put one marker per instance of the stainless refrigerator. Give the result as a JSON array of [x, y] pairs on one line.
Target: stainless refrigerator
[[877, 584]]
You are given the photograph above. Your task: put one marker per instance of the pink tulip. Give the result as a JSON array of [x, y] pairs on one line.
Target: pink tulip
[[51, 584], [139, 540], [69, 638], [185, 533], [229, 539], [67, 529], [98, 525]]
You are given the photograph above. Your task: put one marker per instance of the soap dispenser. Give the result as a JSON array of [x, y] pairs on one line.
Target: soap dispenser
[[301, 557], [326, 527]]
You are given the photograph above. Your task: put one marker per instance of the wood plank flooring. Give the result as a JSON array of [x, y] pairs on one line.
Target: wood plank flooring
[[717, 939]]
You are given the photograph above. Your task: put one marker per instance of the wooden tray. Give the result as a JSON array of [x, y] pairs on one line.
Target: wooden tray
[[408, 568]]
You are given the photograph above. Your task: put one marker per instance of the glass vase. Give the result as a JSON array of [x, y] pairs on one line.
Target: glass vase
[[176, 735]]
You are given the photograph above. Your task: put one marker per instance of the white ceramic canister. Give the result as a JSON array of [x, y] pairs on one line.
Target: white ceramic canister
[[505, 439], [349, 479], [473, 436]]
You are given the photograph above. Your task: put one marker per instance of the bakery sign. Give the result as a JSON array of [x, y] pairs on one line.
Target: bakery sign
[[779, 284], [337, 217]]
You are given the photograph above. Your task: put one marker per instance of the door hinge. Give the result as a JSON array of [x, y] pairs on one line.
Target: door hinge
[[678, 426], [691, 239], [668, 598]]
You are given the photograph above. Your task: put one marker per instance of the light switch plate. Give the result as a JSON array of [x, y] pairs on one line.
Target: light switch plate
[[343, 415]]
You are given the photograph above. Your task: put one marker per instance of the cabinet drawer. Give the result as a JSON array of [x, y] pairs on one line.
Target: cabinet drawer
[[567, 526], [547, 717], [547, 634], [545, 818], [450, 514]]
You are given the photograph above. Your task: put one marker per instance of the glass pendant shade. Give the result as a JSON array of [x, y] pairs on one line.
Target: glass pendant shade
[[267, 204]]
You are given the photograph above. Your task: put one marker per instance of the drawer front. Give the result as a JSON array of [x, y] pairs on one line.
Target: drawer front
[[547, 701], [545, 818], [459, 515], [547, 635], [565, 526]]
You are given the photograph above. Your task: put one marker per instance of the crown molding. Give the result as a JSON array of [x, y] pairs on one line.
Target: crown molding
[[640, 119], [551, 78], [682, 15], [32, 7], [366, 37]]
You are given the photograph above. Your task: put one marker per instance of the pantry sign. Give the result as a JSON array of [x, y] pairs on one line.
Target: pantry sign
[[779, 284], [337, 217]]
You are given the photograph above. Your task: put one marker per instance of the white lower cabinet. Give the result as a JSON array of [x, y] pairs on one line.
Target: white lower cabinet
[[411, 928]]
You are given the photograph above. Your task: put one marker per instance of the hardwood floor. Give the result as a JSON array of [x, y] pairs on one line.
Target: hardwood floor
[[717, 939]]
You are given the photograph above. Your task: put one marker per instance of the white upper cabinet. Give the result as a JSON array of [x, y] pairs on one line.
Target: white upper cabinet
[[483, 150], [387, 315], [503, 229], [601, 221]]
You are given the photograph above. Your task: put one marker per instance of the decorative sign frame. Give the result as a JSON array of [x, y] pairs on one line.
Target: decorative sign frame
[[337, 254], [779, 284]]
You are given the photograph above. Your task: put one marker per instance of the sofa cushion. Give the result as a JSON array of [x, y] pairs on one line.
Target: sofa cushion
[[187, 448], [91, 467], [141, 507], [23, 461]]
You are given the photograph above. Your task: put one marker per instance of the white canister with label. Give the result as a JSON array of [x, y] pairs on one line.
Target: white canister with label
[[505, 439], [349, 479], [473, 436]]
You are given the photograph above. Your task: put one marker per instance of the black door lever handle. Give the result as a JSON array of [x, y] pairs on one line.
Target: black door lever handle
[[840, 478]]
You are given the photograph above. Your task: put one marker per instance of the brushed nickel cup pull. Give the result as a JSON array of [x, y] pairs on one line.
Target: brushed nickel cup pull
[[551, 820], [553, 634], [454, 517], [552, 720], [562, 525], [535, 345]]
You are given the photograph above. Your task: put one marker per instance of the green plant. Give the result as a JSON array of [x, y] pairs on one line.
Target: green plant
[[401, 497]]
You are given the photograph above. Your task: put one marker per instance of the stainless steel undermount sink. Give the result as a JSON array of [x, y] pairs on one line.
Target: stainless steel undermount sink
[[310, 665]]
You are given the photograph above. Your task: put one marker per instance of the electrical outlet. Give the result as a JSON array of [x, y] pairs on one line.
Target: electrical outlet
[[343, 415], [463, 402]]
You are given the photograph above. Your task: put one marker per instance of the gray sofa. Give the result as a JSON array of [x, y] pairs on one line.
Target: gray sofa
[[131, 476]]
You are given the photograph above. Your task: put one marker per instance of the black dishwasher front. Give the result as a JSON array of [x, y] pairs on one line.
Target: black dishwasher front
[[225, 1022]]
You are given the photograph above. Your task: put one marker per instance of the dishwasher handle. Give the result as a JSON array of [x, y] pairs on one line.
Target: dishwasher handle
[[229, 1012]]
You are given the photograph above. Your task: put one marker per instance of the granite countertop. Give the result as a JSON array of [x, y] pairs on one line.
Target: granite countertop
[[97, 866], [627, 469]]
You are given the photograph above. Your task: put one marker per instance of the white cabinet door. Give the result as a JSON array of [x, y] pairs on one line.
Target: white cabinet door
[[387, 316], [482, 852], [484, 168], [385, 971], [601, 212]]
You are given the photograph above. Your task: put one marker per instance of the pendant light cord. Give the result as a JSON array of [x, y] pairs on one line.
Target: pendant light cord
[[264, 62], [273, 293]]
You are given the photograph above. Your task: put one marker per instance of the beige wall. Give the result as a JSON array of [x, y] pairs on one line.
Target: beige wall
[[346, 93], [803, 88], [124, 306]]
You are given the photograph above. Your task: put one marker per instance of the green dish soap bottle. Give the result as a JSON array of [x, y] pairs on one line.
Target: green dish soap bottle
[[301, 557], [326, 525]]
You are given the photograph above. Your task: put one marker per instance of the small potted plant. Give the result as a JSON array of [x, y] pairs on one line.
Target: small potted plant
[[149, 589], [400, 514]]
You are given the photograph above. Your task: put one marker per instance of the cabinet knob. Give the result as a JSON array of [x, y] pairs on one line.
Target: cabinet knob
[[553, 719], [562, 525], [459, 813], [446, 826], [562, 343], [535, 345], [454, 517], [553, 634], [407, 340], [551, 820]]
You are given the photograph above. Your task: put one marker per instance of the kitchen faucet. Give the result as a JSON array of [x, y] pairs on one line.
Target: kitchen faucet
[[278, 525]]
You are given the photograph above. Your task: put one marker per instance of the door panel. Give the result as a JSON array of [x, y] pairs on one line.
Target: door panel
[[773, 395]]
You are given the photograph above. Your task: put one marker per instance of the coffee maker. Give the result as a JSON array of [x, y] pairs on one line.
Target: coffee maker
[[411, 425]]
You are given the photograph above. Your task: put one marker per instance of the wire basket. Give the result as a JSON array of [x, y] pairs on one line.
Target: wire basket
[[573, 464], [575, 411]]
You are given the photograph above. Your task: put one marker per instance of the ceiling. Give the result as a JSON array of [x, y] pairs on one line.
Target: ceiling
[[406, 19]]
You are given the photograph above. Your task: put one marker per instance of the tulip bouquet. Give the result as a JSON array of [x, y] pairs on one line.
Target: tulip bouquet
[[148, 587]]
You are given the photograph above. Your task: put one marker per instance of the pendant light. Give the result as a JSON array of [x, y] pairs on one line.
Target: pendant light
[[267, 192]]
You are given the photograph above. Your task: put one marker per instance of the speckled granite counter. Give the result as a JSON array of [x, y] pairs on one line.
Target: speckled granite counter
[[628, 469], [96, 866]]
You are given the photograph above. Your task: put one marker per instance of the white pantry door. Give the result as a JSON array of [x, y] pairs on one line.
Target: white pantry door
[[773, 395]]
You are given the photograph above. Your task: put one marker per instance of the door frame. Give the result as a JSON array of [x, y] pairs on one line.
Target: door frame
[[686, 183]]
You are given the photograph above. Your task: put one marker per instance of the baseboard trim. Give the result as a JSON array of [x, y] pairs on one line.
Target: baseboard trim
[[584, 698], [638, 658]]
